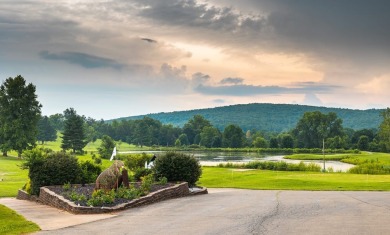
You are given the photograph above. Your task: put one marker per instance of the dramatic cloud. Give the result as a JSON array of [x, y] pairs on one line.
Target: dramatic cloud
[[201, 52]]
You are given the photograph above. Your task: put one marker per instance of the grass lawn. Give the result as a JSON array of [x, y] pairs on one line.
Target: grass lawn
[[90, 147], [12, 177], [13, 223], [356, 159], [214, 177]]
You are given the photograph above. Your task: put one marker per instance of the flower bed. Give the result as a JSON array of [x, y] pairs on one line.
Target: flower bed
[[49, 197]]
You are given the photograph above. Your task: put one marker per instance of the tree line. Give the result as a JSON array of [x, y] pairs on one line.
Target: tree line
[[312, 131], [21, 126]]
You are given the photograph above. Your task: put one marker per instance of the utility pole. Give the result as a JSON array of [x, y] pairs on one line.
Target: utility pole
[[323, 152]]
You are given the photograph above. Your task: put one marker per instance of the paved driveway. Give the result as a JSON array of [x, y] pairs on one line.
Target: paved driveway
[[232, 211]]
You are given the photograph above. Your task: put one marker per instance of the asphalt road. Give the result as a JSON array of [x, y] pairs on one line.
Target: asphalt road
[[232, 211]]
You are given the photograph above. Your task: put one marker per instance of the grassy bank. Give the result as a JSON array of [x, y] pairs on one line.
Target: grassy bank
[[13, 223], [12, 177], [358, 158], [214, 177]]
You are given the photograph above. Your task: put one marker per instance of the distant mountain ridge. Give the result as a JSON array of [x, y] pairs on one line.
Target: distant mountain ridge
[[266, 117]]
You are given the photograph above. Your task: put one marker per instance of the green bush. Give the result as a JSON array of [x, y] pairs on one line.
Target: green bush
[[135, 161], [52, 169], [57, 168], [89, 172], [97, 161], [371, 168], [100, 197], [177, 167], [131, 193], [141, 172], [146, 184]]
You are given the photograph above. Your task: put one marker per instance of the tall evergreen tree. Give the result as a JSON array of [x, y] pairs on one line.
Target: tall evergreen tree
[[46, 131], [73, 136], [19, 115], [106, 147]]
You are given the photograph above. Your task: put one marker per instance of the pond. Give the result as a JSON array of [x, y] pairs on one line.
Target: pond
[[207, 158]]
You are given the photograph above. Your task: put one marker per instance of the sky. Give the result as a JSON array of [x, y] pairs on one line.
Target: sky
[[117, 58]]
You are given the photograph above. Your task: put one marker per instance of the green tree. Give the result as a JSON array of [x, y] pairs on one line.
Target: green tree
[[233, 137], [183, 139], [363, 143], [286, 141], [260, 142], [273, 143], [384, 130], [73, 136], [370, 133], [57, 121], [90, 133], [19, 115], [106, 147], [46, 131], [336, 142], [313, 127], [178, 143], [210, 137], [194, 127], [147, 132]]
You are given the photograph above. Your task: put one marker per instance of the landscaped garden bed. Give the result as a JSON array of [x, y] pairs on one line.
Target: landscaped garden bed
[[86, 192], [157, 193]]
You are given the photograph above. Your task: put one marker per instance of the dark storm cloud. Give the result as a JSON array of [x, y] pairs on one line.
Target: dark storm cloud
[[250, 90], [335, 35], [349, 26], [82, 59], [192, 14]]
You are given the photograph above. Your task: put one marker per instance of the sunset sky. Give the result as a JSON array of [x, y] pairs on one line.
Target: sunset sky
[[110, 59]]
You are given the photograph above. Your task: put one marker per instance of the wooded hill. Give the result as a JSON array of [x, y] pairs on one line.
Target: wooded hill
[[266, 117]]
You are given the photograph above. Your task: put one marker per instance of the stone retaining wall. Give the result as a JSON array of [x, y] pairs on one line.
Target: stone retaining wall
[[50, 198]]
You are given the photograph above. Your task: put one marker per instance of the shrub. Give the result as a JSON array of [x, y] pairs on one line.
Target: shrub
[[141, 172], [74, 196], [370, 168], [97, 160], [66, 186], [57, 168], [177, 167], [129, 194], [162, 181], [135, 161], [89, 172], [54, 169], [100, 197], [146, 184]]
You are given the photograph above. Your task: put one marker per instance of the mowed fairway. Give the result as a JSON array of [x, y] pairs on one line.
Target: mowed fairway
[[12, 177], [214, 177]]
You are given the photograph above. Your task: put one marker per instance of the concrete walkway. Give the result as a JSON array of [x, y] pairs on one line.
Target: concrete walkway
[[228, 211], [49, 218]]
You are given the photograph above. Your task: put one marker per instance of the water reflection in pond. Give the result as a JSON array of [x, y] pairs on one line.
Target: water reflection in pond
[[214, 158]]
